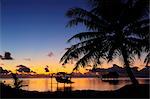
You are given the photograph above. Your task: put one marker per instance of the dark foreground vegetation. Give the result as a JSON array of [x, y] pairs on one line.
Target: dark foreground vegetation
[[131, 91]]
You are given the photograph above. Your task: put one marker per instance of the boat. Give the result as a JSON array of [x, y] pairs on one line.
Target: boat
[[62, 77]]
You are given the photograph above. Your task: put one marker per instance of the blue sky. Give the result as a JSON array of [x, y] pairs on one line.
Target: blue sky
[[36, 25], [33, 28]]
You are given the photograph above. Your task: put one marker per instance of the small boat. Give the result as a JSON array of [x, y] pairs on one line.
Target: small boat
[[63, 77]]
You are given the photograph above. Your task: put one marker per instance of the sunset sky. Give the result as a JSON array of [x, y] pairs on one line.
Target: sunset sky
[[34, 32]]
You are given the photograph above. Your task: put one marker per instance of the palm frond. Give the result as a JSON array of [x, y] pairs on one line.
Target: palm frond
[[85, 35], [147, 59], [84, 14], [81, 48], [93, 55], [89, 24]]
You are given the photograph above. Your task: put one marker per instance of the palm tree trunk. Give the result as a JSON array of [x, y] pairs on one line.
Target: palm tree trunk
[[128, 69]]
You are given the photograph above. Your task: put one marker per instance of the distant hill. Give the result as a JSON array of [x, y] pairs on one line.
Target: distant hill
[[122, 71], [4, 71], [145, 71], [91, 73]]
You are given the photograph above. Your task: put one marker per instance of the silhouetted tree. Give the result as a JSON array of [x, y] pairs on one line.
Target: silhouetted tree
[[3, 71], [24, 69], [17, 82], [147, 59], [116, 28]]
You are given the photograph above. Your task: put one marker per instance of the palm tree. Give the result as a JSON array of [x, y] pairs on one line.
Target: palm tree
[[147, 59], [116, 28], [17, 83]]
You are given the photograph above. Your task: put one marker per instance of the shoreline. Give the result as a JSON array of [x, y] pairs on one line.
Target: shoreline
[[128, 91]]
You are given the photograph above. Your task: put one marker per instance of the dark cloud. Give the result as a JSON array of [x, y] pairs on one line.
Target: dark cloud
[[46, 69], [7, 56], [2, 64], [27, 59], [50, 54], [24, 69]]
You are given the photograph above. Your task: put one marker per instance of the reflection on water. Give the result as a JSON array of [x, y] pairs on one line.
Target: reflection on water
[[64, 88], [114, 82], [46, 84]]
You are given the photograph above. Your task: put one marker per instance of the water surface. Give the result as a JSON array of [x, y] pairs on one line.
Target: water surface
[[44, 84]]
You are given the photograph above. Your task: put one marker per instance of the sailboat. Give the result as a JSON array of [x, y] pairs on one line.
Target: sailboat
[[63, 77]]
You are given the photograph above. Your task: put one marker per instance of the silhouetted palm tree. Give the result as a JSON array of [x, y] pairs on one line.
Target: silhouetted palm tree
[[17, 83], [147, 59], [116, 27]]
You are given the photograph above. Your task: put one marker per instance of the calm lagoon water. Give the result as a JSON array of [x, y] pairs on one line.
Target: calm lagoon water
[[44, 84]]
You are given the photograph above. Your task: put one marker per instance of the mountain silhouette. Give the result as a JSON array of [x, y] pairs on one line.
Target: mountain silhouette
[[122, 72], [4, 71]]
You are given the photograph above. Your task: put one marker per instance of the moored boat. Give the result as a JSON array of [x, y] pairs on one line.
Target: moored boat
[[62, 77]]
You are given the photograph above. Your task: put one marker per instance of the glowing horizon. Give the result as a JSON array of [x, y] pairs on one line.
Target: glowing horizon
[[54, 66]]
